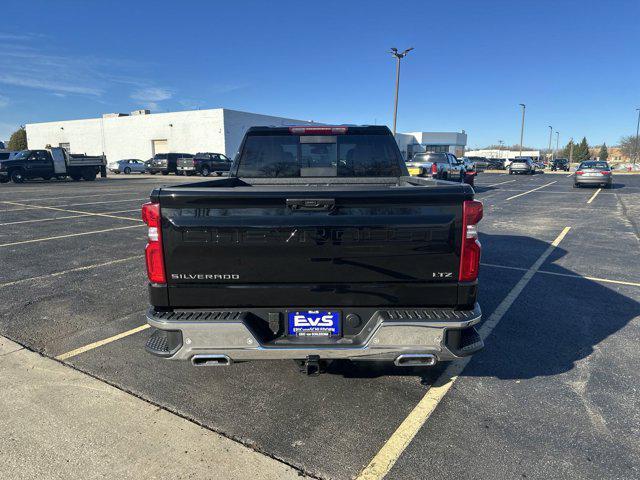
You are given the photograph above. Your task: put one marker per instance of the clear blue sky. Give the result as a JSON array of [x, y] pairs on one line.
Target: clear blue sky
[[574, 63]]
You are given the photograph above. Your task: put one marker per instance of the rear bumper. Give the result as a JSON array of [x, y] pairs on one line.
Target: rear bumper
[[445, 333], [592, 180]]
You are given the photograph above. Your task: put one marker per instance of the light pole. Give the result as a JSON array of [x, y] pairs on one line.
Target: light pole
[[550, 135], [557, 141], [522, 127], [399, 56], [501, 143], [637, 143]]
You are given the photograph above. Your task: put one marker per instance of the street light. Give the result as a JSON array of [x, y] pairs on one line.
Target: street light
[[399, 56], [550, 134], [557, 140], [522, 128]]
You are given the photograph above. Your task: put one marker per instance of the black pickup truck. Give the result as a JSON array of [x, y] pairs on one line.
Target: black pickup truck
[[205, 164], [318, 246]]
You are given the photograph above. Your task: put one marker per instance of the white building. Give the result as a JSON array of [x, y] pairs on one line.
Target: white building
[[503, 153], [142, 134], [414, 142]]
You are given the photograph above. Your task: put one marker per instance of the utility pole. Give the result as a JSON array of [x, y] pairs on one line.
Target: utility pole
[[550, 151], [522, 127], [399, 56], [637, 143]]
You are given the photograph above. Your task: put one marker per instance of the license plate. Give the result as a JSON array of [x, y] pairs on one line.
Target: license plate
[[185, 168], [314, 323], [414, 171], [592, 174]]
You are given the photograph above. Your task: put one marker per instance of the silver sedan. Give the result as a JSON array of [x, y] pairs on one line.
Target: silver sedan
[[593, 173], [127, 166]]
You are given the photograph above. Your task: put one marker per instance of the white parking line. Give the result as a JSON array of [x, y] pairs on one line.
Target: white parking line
[[46, 239], [594, 196], [570, 275], [79, 211], [72, 196], [35, 207], [384, 460], [532, 190], [72, 270], [66, 217]]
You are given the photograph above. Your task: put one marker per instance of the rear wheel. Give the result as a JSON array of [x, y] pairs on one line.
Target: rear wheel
[[165, 173], [48, 177], [152, 173], [127, 171], [205, 171], [17, 176]]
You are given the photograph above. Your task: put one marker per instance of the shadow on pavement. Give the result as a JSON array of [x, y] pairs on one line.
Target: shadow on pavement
[[555, 322]]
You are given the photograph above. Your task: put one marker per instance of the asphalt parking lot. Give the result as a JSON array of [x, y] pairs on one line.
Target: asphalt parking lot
[[554, 394]]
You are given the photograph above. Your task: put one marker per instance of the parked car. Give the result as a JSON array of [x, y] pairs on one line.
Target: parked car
[[522, 165], [470, 171], [299, 266], [46, 164], [127, 166], [593, 172], [166, 163], [205, 163], [560, 164], [443, 166], [496, 164], [480, 163]]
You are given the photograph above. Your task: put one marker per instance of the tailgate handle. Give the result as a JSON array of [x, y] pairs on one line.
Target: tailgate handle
[[311, 204]]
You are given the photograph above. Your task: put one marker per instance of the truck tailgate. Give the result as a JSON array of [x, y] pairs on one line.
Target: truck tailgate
[[292, 246]]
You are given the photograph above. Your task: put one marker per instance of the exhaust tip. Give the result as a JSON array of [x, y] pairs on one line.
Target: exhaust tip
[[415, 360], [211, 361]]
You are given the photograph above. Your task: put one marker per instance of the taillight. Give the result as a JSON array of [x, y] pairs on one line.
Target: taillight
[[579, 172], [470, 250], [434, 169], [605, 172], [153, 251], [318, 130]]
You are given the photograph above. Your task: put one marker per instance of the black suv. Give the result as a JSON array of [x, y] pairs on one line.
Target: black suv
[[165, 163], [560, 164], [204, 163]]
